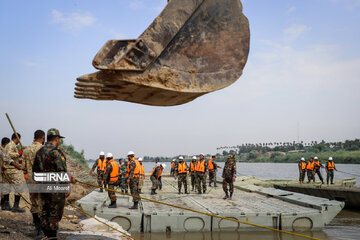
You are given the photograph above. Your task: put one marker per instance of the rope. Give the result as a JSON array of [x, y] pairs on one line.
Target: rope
[[349, 173], [89, 215], [200, 212]]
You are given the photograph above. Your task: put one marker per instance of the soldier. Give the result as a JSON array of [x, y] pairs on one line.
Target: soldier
[[133, 175], [159, 179], [111, 177], [123, 171], [14, 170], [181, 170], [172, 170], [100, 165], [330, 167], [229, 175], [201, 174], [29, 157], [192, 173], [51, 159], [310, 166], [302, 169], [4, 158], [142, 175], [154, 177], [212, 171], [318, 165]]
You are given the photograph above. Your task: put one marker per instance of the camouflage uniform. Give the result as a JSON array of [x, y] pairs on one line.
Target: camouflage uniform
[[29, 157], [50, 159], [182, 178], [301, 172], [5, 160], [229, 172], [193, 176], [154, 178], [201, 178], [212, 173], [16, 176], [100, 173], [123, 184], [134, 181], [110, 184]]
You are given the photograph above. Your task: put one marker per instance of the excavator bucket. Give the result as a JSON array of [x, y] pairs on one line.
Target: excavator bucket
[[192, 48]]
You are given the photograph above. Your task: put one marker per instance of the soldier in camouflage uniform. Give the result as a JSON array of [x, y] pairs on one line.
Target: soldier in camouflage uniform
[[4, 159], [154, 177], [192, 173], [302, 170], [123, 170], [111, 177], [15, 170], [229, 175], [100, 165], [212, 166], [29, 157], [201, 174], [51, 159], [133, 175], [181, 170]]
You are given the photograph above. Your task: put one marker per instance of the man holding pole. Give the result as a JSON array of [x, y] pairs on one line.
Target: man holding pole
[[14, 170]]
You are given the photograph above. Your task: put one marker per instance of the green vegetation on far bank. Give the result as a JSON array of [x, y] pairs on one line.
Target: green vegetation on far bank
[[75, 155]]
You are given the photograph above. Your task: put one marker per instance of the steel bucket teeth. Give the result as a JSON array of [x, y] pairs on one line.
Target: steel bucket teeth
[[192, 48]]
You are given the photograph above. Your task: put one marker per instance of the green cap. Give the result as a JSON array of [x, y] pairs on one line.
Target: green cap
[[54, 132]]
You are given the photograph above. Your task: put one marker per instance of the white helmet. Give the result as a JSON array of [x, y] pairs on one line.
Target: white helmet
[[173, 160], [330, 158], [194, 157], [163, 165], [140, 159], [316, 158], [302, 159], [102, 154], [130, 153], [181, 158], [202, 154], [109, 155]]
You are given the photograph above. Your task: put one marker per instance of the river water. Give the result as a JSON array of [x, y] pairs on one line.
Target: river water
[[346, 225]]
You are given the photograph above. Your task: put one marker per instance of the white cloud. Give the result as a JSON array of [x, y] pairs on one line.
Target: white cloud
[[74, 21], [290, 10], [295, 31], [136, 4]]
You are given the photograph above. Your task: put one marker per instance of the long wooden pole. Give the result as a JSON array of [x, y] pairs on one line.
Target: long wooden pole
[[12, 126]]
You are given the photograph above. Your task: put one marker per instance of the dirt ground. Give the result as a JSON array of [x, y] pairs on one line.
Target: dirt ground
[[19, 225]]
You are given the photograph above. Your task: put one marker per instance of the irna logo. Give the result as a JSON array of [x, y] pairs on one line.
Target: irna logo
[[52, 177]]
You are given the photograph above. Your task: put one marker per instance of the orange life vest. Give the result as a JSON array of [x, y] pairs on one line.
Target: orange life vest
[[159, 174], [101, 165], [303, 165], [137, 169], [210, 164], [331, 165], [182, 168], [142, 170], [310, 166], [200, 166], [192, 167], [114, 175], [173, 165], [317, 165]]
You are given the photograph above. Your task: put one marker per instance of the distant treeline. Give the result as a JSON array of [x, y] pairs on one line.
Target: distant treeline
[[342, 152]]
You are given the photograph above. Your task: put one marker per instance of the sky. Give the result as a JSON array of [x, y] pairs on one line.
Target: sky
[[303, 70]]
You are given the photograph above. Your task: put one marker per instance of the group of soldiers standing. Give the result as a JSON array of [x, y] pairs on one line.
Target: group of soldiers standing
[[18, 166], [313, 167]]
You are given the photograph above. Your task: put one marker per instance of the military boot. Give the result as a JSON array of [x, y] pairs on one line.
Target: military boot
[[6, 205], [126, 191], [101, 190], [51, 235], [226, 195], [36, 221], [199, 191], [16, 207], [112, 204], [152, 192], [179, 191], [135, 206], [204, 191], [186, 191], [231, 193]]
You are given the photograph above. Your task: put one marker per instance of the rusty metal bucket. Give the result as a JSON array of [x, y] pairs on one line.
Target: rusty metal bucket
[[192, 48]]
